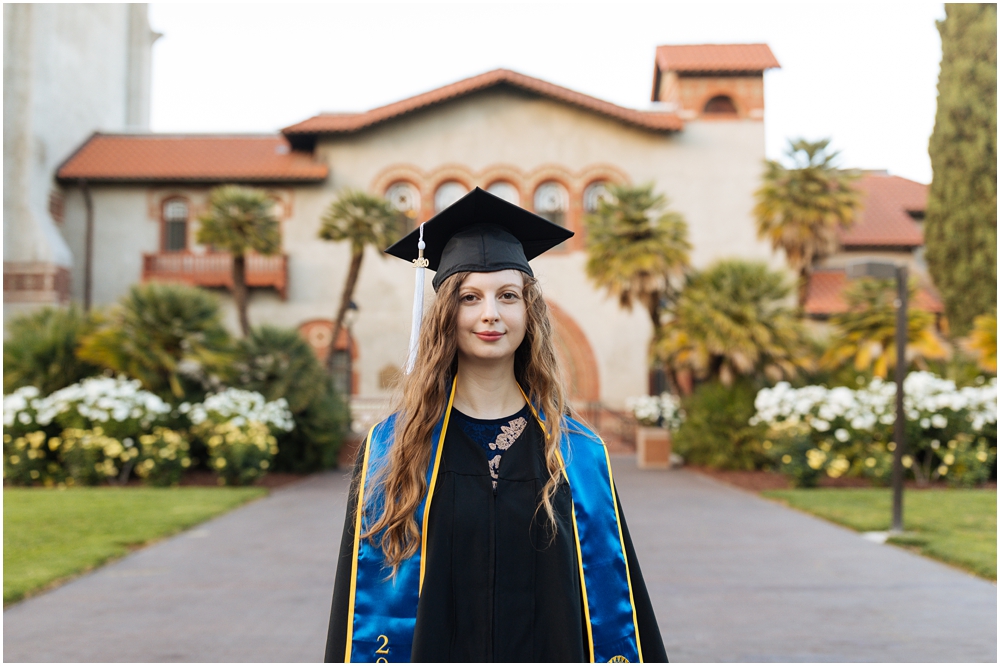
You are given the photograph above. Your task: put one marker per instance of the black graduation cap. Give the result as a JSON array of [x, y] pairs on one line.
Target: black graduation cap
[[481, 233]]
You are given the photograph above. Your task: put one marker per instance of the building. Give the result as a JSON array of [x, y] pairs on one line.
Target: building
[[69, 69], [888, 228], [543, 146]]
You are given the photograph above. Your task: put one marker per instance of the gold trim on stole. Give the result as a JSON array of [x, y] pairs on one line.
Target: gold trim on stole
[[357, 544]]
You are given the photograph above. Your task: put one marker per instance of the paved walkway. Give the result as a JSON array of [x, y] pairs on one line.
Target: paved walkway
[[733, 578]]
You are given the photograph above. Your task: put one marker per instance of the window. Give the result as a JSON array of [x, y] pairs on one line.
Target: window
[[405, 198], [447, 194], [594, 194], [720, 105], [343, 372], [551, 202], [175, 222], [505, 191]]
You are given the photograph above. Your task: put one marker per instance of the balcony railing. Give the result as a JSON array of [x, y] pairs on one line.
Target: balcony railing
[[215, 269]]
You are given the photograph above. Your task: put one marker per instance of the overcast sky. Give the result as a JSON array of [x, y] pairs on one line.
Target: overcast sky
[[863, 74]]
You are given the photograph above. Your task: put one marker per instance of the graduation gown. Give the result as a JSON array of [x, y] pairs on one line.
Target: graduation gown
[[499, 586]]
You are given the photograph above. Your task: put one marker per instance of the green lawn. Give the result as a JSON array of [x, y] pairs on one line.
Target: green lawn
[[955, 526], [51, 534]]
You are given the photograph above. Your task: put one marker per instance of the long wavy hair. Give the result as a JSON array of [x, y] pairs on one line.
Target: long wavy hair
[[401, 483]]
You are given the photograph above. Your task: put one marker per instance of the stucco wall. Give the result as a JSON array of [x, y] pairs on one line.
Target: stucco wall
[[69, 70], [122, 232]]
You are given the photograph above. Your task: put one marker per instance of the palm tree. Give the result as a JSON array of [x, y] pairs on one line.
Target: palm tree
[[240, 220], [635, 249], [40, 350], [364, 220], [168, 336], [731, 320], [982, 342], [866, 333], [801, 209]]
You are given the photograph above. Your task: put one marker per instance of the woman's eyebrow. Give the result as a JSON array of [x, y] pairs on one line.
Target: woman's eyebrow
[[510, 285]]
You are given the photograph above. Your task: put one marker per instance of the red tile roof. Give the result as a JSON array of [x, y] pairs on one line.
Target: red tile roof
[[825, 294], [159, 157], [884, 219], [342, 123], [713, 58]]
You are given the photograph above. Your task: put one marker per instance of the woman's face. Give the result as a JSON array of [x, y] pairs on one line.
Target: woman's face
[[491, 315]]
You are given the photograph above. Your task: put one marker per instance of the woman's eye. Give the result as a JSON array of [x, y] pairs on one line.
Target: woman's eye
[[509, 296], [468, 298]]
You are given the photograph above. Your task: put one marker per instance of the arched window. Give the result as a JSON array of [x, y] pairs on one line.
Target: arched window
[[595, 193], [448, 193], [552, 202], [720, 105], [175, 223], [505, 191], [405, 198]]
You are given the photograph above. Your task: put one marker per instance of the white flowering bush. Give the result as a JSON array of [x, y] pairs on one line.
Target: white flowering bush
[[75, 457], [117, 405], [657, 410], [29, 460], [91, 456], [165, 454], [950, 433], [240, 453], [240, 407], [104, 428]]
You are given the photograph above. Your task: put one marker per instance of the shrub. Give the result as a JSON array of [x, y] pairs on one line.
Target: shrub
[[950, 432], [240, 453], [240, 406], [40, 350], [165, 455], [733, 320], [657, 410], [29, 460], [279, 363], [318, 434], [117, 405], [168, 336], [716, 431], [90, 456], [21, 413]]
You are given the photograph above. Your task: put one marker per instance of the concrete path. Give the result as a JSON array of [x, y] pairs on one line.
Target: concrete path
[[733, 578]]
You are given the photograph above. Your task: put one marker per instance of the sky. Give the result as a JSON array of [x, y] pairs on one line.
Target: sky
[[861, 74]]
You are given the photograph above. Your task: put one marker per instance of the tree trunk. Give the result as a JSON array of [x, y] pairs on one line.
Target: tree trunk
[[345, 300], [803, 286], [240, 291]]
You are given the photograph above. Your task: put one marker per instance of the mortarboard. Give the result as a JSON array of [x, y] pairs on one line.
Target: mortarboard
[[481, 233]]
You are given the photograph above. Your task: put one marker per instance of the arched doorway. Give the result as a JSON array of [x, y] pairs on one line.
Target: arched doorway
[[317, 332], [575, 356]]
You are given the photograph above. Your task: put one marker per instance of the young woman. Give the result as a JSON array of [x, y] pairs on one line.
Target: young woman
[[483, 523]]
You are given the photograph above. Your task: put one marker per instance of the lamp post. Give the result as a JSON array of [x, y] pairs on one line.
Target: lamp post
[[884, 271]]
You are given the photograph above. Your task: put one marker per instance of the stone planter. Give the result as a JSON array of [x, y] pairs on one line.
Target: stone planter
[[653, 447]]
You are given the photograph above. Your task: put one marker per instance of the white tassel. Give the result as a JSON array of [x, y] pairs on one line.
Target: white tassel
[[418, 303]]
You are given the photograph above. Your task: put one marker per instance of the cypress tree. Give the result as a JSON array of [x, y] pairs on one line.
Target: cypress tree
[[961, 223]]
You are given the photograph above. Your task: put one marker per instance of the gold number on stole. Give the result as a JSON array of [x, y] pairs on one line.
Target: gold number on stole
[[383, 649]]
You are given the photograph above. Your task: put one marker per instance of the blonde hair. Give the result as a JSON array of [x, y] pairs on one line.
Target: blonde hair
[[401, 483]]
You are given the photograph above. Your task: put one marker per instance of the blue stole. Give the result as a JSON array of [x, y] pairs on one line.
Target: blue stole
[[382, 610]]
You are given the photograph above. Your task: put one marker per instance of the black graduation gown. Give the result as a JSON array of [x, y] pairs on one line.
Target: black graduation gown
[[496, 587]]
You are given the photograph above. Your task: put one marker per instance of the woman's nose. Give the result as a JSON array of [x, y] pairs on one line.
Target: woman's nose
[[490, 311]]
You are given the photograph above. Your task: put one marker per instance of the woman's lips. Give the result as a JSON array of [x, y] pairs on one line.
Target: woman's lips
[[489, 336]]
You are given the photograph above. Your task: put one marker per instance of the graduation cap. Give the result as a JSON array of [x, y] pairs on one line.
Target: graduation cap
[[481, 233]]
